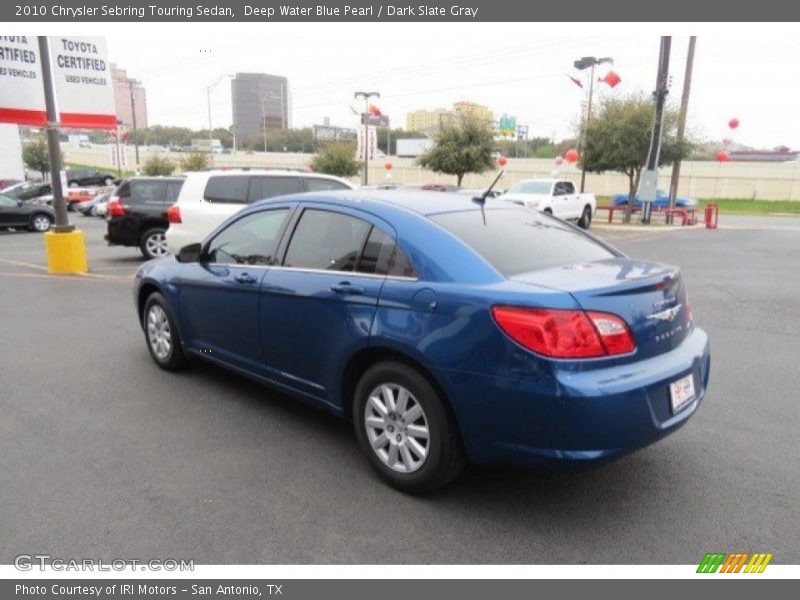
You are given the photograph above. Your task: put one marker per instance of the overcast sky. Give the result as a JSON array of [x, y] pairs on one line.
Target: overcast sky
[[748, 72]]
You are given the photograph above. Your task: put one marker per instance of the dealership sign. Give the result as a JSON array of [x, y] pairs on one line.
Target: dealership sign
[[81, 78], [21, 87]]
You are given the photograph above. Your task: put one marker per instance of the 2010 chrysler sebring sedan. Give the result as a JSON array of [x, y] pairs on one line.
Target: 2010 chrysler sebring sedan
[[445, 330]]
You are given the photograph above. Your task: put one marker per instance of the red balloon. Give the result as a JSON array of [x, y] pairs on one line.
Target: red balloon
[[571, 155], [723, 156], [388, 166], [559, 160], [733, 123], [502, 161]]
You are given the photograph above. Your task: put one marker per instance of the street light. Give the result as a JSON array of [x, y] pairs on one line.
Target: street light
[[208, 98], [588, 62], [366, 96]]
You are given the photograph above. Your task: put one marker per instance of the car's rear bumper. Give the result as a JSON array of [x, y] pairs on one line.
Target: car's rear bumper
[[577, 416]]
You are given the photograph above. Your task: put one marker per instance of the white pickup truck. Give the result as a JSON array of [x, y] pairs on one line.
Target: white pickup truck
[[553, 196]]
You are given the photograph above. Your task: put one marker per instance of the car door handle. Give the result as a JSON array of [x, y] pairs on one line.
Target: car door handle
[[347, 288], [245, 278]]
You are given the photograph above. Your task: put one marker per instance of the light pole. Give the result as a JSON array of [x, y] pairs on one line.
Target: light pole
[[209, 89], [131, 83], [366, 96], [588, 62]]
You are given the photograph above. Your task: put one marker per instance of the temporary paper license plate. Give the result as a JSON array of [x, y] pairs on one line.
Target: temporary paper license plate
[[681, 392]]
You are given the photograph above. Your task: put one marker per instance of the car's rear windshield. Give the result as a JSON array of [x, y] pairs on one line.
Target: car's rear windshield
[[516, 241]]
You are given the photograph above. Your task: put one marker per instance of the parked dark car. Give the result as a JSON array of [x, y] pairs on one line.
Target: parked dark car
[[137, 213], [28, 191], [19, 214], [90, 177]]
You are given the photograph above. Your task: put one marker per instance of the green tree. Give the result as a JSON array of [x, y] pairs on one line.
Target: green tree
[[158, 165], [36, 157], [196, 161], [336, 158], [618, 139], [462, 146]]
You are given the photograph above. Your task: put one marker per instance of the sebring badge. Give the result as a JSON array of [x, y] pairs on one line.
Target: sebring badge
[[666, 315]]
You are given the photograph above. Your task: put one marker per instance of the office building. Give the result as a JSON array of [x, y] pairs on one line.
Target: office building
[[260, 102], [124, 87], [429, 121]]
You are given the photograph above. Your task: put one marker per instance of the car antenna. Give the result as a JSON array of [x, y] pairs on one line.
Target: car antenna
[[482, 198]]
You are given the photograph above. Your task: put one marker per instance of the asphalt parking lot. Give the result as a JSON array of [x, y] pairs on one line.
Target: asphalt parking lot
[[104, 455]]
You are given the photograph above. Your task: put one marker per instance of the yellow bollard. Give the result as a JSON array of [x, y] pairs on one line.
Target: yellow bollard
[[66, 252]]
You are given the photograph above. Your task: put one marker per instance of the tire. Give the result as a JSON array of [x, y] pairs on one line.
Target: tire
[[161, 334], [70, 207], [586, 218], [153, 243], [108, 181], [425, 464], [73, 184], [548, 211], [40, 222]]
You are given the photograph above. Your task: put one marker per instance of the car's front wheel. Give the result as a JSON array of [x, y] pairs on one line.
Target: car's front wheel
[[153, 243], [41, 222], [405, 428], [586, 218], [163, 339], [108, 181]]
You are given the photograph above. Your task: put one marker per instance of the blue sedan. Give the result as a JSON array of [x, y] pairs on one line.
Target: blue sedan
[[446, 331]]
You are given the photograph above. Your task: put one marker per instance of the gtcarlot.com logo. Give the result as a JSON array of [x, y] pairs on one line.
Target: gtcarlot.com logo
[[734, 562], [42, 562]]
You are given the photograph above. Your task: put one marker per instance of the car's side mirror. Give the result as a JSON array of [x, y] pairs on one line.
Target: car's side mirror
[[190, 254]]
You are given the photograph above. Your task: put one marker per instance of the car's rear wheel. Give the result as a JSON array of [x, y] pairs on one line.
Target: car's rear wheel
[[163, 340], [41, 222], [153, 243], [586, 218], [108, 181], [405, 428], [548, 211]]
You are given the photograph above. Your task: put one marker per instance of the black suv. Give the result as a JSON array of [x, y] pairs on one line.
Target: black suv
[[137, 213], [89, 177]]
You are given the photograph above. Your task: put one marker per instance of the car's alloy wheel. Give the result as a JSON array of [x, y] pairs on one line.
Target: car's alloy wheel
[[41, 223], [108, 181], [159, 332], [397, 427], [404, 425], [155, 244]]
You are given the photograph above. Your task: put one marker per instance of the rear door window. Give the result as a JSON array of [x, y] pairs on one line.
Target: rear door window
[[320, 184], [327, 241], [147, 192], [516, 241], [569, 187], [269, 187], [227, 189]]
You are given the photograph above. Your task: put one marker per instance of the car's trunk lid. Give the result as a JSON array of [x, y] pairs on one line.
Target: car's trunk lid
[[650, 297]]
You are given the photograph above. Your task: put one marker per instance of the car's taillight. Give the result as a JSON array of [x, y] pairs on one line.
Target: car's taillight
[[115, 208], [174, 214], [565, 333]]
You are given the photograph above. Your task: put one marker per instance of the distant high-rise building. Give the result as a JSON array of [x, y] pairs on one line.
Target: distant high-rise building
[[260, 101], [123, 87]]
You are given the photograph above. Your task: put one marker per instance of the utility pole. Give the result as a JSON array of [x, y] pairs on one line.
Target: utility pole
[[209, 89], [119, 153], [131, 83], [366, 96], [687, 84], [649, 182], [54, 148]]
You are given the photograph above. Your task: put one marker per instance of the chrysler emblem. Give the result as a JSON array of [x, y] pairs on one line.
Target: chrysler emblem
[[666, 315]]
